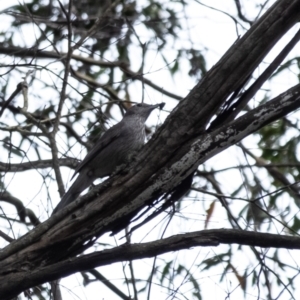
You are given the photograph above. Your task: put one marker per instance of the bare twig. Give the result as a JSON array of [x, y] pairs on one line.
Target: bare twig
[[133, 281], [13, 95], [108, 284], [23, 212], [6, 237], [267, 165], [95, 83], [18, 51], [240, 14], [138, 76], [37, 164], [25, 91], [52, 135]]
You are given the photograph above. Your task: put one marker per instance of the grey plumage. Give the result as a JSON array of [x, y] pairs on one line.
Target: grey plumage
[[111, 150]]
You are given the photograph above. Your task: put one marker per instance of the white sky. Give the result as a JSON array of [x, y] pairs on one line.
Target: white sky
[[217, 32]]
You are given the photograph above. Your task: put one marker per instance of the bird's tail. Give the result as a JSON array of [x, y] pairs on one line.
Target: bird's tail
[[80, 184]]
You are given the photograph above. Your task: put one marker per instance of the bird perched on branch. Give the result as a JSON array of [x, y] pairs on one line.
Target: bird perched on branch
[[112, 149]]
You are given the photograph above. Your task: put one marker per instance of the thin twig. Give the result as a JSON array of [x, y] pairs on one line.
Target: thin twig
[[6, 237], [133, 281], [25, 90], [52, 135], [13, 95], [108, 284]]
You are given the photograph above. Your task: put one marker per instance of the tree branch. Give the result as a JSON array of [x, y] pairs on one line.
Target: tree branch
[[37, 164], [126, 252], [37, 53]]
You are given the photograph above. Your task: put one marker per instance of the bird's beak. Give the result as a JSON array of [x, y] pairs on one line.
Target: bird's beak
[[160, 105]]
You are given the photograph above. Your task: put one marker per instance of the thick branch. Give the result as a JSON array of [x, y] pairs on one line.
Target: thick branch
[[128, 252], [103, 215]]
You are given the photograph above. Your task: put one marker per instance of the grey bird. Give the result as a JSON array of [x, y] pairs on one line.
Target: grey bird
[[112, 149]]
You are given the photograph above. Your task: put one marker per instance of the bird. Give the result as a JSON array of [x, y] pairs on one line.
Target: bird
[[111, 150]]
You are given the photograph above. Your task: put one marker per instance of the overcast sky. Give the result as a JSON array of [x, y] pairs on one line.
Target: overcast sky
[[217, 32]]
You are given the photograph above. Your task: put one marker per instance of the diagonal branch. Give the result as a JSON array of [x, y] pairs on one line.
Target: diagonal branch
[[37, 53], [136, 188]]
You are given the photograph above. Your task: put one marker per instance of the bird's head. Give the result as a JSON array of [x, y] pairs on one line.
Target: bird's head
[[142, 110]]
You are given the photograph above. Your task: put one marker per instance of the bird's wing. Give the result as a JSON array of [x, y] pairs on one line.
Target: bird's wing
[[106, 139]]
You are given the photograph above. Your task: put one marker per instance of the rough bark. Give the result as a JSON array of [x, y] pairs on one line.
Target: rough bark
[[204, 238]]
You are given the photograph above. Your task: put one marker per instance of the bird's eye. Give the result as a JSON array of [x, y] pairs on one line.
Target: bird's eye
[[139, 105]]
